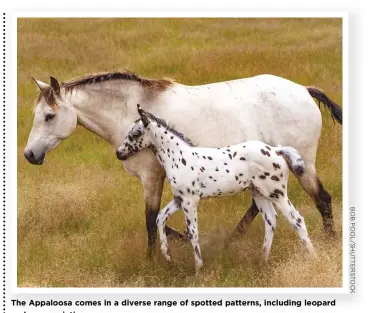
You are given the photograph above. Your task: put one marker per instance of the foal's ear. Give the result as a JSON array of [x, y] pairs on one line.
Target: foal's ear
[[41, 86], [55, 85], [140, 110], [143, 115]]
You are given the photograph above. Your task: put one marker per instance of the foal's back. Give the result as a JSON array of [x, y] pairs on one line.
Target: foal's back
[[212, 172]]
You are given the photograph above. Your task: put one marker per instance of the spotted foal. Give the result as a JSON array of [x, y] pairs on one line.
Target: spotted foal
[[195, 173]]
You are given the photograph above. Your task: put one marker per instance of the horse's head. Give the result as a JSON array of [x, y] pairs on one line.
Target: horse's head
[[54, 120], [137, 138]]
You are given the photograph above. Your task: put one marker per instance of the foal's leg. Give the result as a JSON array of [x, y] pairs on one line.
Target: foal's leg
[[269, 216], [295, 219], [169, 209], [313, 186], [189, 207]]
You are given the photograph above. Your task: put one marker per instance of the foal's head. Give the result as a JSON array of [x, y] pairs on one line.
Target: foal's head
[[137, 138]]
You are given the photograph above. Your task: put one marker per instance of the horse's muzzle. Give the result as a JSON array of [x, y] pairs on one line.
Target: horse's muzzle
[[31, 158]]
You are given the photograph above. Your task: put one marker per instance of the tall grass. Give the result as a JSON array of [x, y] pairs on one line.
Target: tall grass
[[81, 216]]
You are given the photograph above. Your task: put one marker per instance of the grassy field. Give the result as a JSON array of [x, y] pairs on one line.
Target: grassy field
[[81, 217]]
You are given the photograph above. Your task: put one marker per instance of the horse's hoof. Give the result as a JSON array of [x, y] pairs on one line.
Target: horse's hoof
[[329, 229], [331, 233], [172, 233], [149, 255], [238, 232]]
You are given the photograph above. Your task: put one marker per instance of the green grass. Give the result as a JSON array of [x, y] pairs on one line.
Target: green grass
[[81, 217]]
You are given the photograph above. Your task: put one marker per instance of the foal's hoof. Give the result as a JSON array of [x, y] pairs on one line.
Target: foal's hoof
[[198, 269], [166, 253], [312, 254], [167, 256]]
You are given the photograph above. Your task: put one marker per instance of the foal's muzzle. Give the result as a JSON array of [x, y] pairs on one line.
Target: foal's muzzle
[[121, 156], [31, 158]]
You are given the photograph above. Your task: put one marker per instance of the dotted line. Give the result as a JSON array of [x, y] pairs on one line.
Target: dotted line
[[4, 165]]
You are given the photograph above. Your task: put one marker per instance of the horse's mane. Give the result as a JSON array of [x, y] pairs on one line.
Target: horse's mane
[[172, 130], [158, 84], [48, 94], [127, 75]]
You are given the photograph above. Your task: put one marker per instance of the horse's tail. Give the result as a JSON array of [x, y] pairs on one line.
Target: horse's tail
[[335, 109], [293, 159]]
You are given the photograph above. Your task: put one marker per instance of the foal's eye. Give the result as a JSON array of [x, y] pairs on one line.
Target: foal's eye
[[49, 117], [136, 134]]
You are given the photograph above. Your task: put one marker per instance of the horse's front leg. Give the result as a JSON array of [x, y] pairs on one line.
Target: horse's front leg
[[152, 188]]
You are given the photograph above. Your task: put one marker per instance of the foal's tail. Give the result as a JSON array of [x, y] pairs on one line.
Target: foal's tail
[[293, 159], [335, 109]]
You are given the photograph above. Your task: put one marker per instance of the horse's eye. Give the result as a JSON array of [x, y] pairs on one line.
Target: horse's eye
[[49, 117]]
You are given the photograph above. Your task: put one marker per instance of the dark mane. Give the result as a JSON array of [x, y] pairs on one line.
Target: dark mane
[[170, 129], [160, 84]]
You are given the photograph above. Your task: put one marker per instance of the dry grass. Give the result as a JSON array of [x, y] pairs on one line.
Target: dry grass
[[81, 217]]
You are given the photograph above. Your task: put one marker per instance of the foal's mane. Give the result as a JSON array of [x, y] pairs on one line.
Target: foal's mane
[[158, 84], [172, 130]]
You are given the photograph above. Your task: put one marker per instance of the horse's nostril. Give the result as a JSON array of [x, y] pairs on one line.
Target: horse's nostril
[[29, 155], [117, 154]]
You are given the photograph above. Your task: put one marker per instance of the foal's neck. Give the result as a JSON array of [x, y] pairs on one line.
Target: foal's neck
[[167, 146]]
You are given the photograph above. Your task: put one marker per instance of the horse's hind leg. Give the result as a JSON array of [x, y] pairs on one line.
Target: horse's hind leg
[[322, 199], [246, 220], [269, 216]]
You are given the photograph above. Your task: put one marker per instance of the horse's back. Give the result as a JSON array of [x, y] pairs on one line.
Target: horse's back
[[265, 107]]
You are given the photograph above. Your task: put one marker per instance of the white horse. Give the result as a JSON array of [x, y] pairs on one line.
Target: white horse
[[195, 173], [266, 108]]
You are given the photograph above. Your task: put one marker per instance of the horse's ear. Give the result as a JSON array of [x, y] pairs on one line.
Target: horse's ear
[[55, 85], [41, 86], [143, 115]]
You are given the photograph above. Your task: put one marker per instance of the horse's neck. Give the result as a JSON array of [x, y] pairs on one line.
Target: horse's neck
[[104, 114], [168, 146]]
